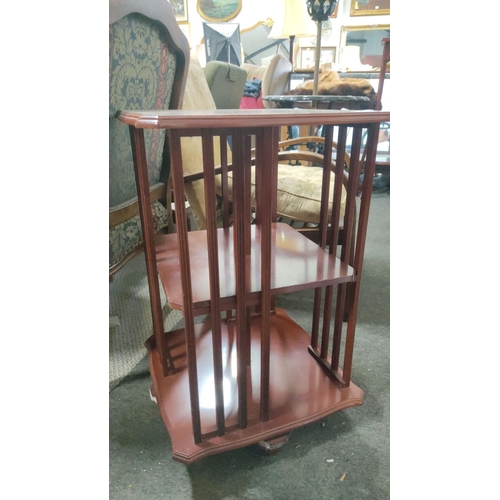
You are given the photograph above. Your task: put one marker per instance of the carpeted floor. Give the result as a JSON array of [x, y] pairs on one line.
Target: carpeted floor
[[344, 456], [130, 319]]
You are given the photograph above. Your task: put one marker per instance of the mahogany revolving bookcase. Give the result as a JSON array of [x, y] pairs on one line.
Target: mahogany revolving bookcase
[[246, 373]]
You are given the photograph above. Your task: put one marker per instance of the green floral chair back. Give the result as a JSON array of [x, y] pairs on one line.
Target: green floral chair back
[[143, 72]]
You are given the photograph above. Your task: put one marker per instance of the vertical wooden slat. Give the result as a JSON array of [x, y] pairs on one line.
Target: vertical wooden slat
[[323, 228], [274, 185], [337, 189], [142, 182], [334, 240], [352, 186], [315, 317], [213, 269], [266, 169], [325, 186], [260, 176], [182, 235], [337, 326], [369, 172], [347, 232], [247, 193], [327, 316], [240, 271], [224, 180]]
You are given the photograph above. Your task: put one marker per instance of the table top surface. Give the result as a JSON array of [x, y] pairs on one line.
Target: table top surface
[[324, 98], [244, 118]]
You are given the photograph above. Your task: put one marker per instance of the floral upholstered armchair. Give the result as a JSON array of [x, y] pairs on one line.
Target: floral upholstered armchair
[[148, 61]]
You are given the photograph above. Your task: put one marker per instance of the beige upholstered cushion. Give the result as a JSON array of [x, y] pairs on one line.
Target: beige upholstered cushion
[[299, 187], [197, 95], [299, 192]]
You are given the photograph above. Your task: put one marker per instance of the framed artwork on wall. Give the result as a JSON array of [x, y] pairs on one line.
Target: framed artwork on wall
[[370, 7], [362, 46], [327, 56], [219, 10], [306, 58], [336, 11], [180, 9]]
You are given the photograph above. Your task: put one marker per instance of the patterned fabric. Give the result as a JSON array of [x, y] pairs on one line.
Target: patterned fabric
[[141, 74], [299, 192], [127, 236]]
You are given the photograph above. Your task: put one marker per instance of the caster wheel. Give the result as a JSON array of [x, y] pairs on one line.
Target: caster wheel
[[272, 446]]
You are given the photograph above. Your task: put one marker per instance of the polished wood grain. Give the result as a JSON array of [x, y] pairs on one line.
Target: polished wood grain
[[197, 119], [250, 372], [296, 263], [300, 392]]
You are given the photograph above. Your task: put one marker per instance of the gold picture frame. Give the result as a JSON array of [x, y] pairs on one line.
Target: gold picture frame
[[220, 11], [369, 35], [370, 7], [180, 9]]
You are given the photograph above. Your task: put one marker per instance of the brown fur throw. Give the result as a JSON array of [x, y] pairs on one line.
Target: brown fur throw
[[330, 83]]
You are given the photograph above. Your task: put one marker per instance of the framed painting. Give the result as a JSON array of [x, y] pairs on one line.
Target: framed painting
[[370, 7], [307, 57], [327, 56], [180, 9], [336, 11], [219, 10], [368, 40]]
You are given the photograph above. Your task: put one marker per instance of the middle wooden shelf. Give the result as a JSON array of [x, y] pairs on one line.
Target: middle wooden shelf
[[297, 264]]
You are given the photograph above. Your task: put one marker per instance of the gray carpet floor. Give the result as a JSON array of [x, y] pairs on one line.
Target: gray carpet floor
[[344, 456]]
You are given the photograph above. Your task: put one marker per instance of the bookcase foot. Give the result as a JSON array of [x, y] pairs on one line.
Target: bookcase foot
[[273, 446]]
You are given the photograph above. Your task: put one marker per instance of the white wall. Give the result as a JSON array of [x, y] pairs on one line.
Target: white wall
[[253, 11]]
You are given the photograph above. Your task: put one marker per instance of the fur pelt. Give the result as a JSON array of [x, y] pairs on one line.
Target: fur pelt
[[330, 83]]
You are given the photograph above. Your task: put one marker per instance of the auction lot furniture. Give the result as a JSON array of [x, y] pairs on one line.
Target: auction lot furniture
[[148, 65], [248, 373]]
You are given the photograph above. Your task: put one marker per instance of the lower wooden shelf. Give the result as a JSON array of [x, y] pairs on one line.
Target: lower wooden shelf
[[300, 391]]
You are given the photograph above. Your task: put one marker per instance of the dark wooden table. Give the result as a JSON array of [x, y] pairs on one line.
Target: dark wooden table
[[320, 101]]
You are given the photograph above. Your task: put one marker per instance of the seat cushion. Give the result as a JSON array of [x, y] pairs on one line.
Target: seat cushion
[[299, 192]]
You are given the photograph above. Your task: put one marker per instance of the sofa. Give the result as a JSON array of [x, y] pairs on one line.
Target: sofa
[[275, 79], [226, 82]]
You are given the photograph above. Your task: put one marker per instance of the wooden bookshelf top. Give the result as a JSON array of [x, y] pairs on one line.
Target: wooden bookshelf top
[[239, 118]]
